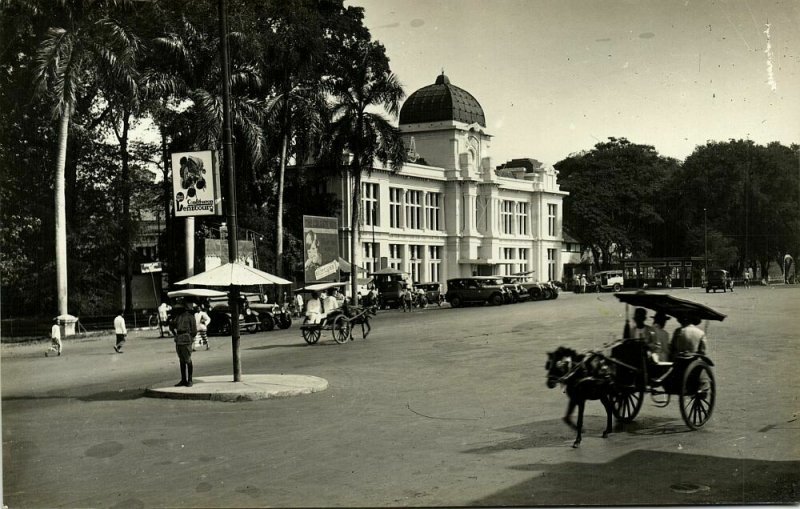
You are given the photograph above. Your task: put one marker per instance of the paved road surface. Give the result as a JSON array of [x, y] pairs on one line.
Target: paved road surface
[[444, 407]]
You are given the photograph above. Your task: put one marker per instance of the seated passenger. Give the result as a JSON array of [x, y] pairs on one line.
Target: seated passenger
[[661, 336], [688, 338], [313, 309], [644, 333], [329, 303]]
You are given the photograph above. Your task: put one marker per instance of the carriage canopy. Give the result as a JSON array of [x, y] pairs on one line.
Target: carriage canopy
[[670, 305]]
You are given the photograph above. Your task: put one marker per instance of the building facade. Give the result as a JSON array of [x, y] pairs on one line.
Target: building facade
[[449, 212]]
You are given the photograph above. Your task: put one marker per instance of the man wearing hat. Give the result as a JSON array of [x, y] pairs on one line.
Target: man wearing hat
[[641, 330], [661, 335], [184, 328]]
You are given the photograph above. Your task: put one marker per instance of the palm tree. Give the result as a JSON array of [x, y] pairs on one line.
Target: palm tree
[[363, 81], [69, 57]]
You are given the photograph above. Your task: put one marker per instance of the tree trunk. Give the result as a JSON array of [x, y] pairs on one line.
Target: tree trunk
[[167, 185], [279, 236], [61, 213], [354, 213], [126, 211]]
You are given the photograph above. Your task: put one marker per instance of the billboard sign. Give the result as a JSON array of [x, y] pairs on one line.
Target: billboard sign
[[151, 267], [195, 184], [320, 249]]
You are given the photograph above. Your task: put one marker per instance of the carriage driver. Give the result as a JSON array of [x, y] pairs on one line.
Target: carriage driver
[[643, 332]]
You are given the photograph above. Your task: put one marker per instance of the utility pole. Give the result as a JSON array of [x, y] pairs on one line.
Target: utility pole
[[705, 238], [227, 151]]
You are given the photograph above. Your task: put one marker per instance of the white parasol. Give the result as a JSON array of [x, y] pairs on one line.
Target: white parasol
[[235, 274]]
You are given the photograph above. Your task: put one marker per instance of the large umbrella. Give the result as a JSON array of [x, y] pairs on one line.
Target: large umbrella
[[233, 274]]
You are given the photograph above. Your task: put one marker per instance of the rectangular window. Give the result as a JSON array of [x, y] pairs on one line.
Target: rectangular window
[[395, 204], [552, 214], [395, 256], [551, 264], [509, 253], [369, 258], [435, 263], [414, 261], [507, 216], [522, 218], [523, 259], [369, 204], [414, 209], [432, 205]]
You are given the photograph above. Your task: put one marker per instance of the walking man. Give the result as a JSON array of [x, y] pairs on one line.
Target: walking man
[[184, 328], [163, 318], [55, 339], [121, 331]]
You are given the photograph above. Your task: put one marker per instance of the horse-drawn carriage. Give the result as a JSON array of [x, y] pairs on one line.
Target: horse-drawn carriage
[[620, 379], [339, 321]]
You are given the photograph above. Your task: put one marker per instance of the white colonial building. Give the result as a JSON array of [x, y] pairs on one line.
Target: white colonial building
[[451, 213]]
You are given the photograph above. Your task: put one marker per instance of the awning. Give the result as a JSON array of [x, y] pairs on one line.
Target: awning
[[345, 266]]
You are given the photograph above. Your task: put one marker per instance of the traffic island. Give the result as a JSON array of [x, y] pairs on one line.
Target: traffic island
[[250, 388]]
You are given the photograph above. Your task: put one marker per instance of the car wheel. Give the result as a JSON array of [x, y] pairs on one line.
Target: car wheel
[[267, 323], [455, 302], [496, 299], [617, 287]]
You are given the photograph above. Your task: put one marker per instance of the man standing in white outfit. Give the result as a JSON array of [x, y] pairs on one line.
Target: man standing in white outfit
[[55, 339]]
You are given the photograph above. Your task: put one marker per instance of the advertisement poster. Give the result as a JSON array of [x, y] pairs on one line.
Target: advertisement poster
[[321, 248], [195, 184]]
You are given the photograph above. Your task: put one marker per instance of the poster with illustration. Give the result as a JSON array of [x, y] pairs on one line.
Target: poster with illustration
[[195, 184], [321, 248]]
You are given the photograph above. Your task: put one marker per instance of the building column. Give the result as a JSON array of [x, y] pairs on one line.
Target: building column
[[424, 269], [402, 209]]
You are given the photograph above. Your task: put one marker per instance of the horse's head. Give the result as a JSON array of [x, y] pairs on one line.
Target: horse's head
[[559, 363]]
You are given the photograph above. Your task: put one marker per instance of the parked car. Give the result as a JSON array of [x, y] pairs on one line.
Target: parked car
[[272, 315], [433, 292], [221, 319], [718, 279], [475, 289], [514, 290]]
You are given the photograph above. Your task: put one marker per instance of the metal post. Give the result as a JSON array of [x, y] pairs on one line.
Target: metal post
[[705, 239], [227, 151]]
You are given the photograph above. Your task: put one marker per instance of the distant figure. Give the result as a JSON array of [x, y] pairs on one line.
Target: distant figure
[[583, 283], [184, 328], [55, 339], [747, 278], [121, 331], [163, 318], [202, 319], [298, 304]]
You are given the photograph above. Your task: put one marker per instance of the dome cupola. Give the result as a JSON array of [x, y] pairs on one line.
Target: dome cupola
[[441, 102]]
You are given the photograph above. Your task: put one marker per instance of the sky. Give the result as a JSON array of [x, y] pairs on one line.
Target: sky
[[555, 77]]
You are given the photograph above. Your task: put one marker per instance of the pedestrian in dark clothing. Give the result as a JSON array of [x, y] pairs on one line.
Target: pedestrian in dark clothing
[[184, 328]]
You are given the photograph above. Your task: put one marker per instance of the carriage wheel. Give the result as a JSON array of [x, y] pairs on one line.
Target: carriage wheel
[[697, 394], [311, 335], [627, 404], [341, 329]]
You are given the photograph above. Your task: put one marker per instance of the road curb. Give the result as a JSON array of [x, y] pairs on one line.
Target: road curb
[[251, 388]]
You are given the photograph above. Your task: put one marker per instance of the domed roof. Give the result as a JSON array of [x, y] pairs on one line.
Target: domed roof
[[441, 101]]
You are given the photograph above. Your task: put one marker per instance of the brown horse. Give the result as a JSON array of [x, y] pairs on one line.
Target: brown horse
[[585, 377]]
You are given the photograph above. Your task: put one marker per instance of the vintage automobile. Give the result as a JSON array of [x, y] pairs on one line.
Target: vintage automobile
[[515, 292], [718, 279], [476, 289], [433, 292]]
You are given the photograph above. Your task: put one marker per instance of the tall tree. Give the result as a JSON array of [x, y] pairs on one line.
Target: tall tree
[[613, 201], [72, 54], [361, 84]]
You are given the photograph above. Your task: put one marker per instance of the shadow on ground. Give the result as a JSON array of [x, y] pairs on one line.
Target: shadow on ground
[[555, 433], [653, 478]]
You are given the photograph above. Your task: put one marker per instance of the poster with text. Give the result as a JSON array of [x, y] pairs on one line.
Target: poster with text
[[195, 184], [321, 249]]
